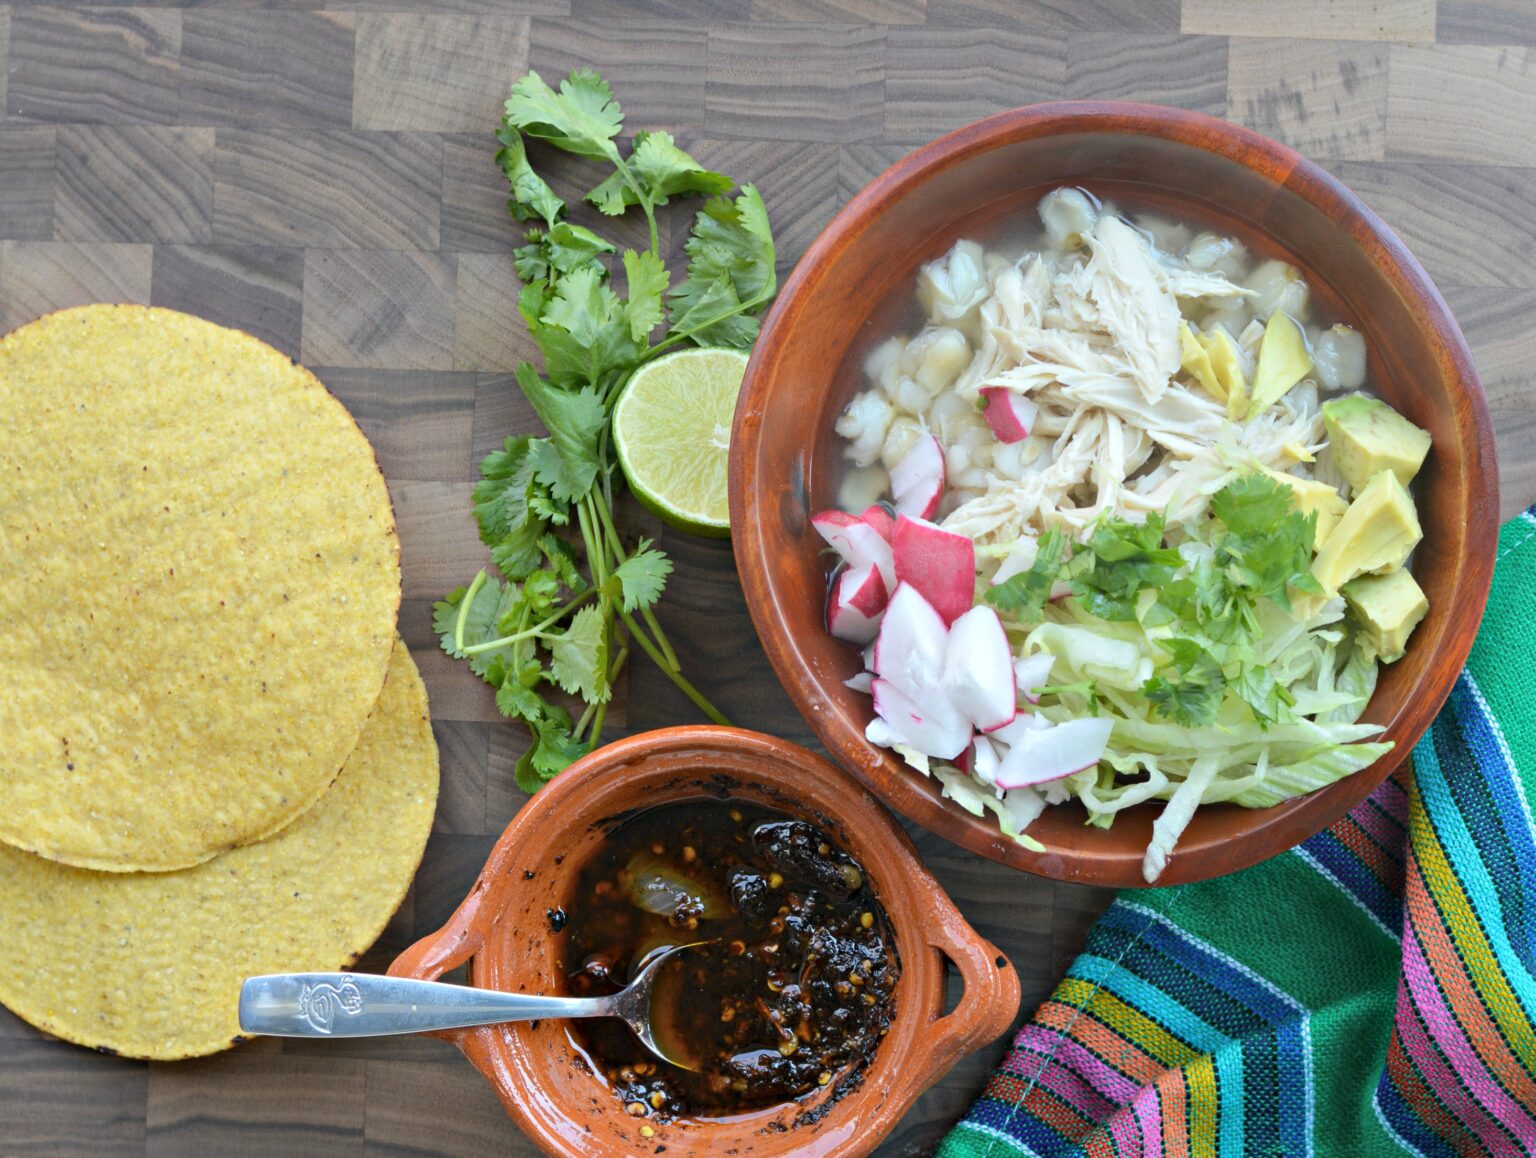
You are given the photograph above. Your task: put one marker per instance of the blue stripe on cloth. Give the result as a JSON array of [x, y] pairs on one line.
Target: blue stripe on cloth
[[1014, 1121], [1147, 999], [1230, 1074], [1405, 1125], [1332, 857]]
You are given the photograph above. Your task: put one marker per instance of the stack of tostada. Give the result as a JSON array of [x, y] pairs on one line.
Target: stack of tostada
[[215, 754]]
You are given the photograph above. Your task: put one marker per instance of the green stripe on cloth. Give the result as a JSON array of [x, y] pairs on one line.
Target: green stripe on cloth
[[1370, 992]]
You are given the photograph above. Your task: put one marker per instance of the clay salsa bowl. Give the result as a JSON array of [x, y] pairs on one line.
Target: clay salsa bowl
[[855, 287], [502, 931]]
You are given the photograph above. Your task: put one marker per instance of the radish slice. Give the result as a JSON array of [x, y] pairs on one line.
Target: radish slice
[[1009, 415], [983, 760], [1019, 560], [909, 651], [1060, 590], [934, 729], [860, 682], [978, 670], [859, 544], [1030, 673], [1024, 722], [855, 605], [940, 564], [881, 520], [1036, 757], [917, 481]]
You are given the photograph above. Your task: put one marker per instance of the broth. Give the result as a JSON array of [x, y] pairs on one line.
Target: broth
[[792, 991]]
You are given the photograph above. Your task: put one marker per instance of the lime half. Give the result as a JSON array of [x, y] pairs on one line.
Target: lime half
[[672, 429]]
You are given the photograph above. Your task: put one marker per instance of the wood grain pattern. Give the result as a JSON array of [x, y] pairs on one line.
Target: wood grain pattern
[[134, 183], [1324, 98], [324, 179]]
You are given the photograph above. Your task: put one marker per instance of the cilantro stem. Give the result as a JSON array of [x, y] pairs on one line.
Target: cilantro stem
[[676, 677], [605, 517], [535, 630], [458, 622]]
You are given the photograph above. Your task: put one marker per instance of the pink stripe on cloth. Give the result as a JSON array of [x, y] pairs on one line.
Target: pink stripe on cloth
[[1393, 798], [1444, 1084], [1129, 1132], [1393, 837], [1475, 1075], [1149, 1113], [1070, 1087], [1105, 1080]]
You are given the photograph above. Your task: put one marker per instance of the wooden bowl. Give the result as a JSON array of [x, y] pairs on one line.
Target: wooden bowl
[[502, 931], [851, 289]]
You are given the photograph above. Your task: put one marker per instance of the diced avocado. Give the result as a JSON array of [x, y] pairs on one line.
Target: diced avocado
[[1227, 365], [1376, 533], [1387, 607], [1368, 436], [1298, 452], [1195, 362], [1308, 495], [1283, 361]]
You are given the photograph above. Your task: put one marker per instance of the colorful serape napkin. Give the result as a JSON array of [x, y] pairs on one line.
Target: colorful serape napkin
[[1370, 992]]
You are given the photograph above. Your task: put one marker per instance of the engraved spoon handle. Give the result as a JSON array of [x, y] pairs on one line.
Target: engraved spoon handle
[[363, 1005]]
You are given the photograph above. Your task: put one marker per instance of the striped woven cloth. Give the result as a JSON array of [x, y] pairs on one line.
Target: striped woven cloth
[[1370, 992]]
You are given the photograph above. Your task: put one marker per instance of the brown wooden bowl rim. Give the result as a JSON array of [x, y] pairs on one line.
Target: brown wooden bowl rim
[[1271, 830], [924, 1042]]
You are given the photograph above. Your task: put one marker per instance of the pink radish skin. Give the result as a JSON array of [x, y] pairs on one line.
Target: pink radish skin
[[855, 605], [934, 733], [1031, 673], [909, 651], [917, 481], [1038, 757], [939, 564], [978, 670], [880, 519], [859, 544], [1009, 415]]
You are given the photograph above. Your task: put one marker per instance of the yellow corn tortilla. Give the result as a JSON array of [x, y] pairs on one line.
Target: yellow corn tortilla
[[150, 964], [199, 577]]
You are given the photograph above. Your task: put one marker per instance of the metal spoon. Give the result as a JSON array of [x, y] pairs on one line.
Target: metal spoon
[[365, 1005]]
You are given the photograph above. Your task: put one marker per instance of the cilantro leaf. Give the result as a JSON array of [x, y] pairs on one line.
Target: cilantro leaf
[[1269, 701], [584, 332], [580, 657], [647, 281], [661, 170], [552, 751], [730, 271], [582, 118], [563, 562], [1119, 559], [509, 524], [562, 249], [531, 195], [643, 576], [1024, 595], [1251, 504], [1190, 687], [568, 462], [490, 605]]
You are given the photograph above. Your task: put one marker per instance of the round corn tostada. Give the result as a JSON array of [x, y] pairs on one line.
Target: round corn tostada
[[199, 578], [149, 965]]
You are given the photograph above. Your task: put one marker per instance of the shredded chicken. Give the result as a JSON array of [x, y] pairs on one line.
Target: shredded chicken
[[1086, 324]]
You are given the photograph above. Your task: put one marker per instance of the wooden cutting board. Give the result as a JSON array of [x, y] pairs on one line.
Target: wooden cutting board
[[324, 179]]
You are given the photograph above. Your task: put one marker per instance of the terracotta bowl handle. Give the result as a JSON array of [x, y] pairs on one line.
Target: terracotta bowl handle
[[440, 952], [989, 1001]]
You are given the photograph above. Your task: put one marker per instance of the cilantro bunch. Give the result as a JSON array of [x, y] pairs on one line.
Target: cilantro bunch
[[1204, 604], [572, 596]]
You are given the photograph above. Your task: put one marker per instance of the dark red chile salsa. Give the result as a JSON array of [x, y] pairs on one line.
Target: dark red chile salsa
[[793, 990]]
